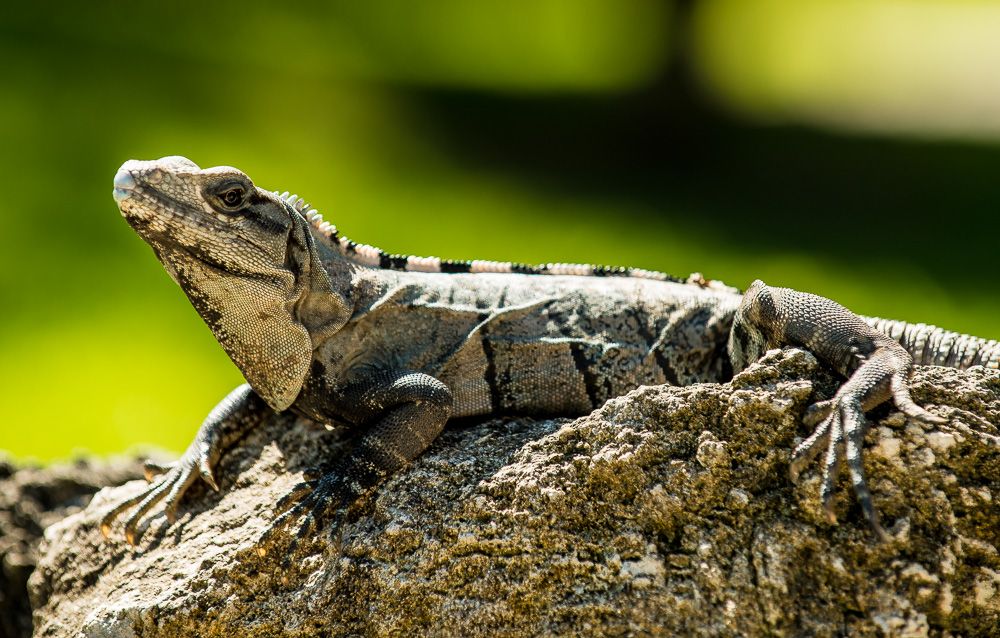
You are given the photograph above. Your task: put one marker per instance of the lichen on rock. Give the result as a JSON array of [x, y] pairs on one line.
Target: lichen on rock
[[666, 512]]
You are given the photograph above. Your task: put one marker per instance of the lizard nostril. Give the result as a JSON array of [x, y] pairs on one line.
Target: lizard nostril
[[124, 185], [154, 176]]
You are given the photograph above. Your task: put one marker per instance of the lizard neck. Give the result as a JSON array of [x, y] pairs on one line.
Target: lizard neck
[[271, 320]]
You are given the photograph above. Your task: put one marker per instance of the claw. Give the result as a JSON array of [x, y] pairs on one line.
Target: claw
[[110, 517], [831, 517], [335, 530], [881, 533], [206, 473]]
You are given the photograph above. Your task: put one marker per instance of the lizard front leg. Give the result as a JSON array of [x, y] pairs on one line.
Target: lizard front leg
[[877, 368], [403, 412], [239, 412]]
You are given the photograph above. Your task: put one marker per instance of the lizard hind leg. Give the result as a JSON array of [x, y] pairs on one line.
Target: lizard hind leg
[[876, 366]]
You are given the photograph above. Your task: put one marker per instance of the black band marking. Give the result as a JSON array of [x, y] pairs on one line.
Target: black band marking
[[643, 329], [525, 269], [450, 266], [496, 399], [578, 350]]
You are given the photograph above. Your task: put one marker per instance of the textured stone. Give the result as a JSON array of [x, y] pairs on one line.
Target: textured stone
[[668, 512], [31, 498]]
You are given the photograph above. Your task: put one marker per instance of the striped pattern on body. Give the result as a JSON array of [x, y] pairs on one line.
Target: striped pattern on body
[[373, 257]]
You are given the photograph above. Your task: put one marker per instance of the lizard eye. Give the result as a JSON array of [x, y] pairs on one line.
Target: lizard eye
[[229, 197], [232, 197]]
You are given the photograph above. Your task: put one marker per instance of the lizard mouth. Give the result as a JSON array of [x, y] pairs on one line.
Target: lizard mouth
[[135, 186], [129, 196], [139, 201]]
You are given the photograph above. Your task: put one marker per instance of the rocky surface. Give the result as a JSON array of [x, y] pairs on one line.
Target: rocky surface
[[31, 499], [668, 512]]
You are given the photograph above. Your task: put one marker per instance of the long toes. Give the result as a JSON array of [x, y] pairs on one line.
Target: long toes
[[901, 396], [831, 468], [809, 449], [817, 412], [295, 495], [306, 529], [313, 473], [152, 498], [280, 523], [110, 517], [176, 492]]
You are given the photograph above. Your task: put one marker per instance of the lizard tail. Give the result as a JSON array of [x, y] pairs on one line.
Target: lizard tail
[[933, 346]]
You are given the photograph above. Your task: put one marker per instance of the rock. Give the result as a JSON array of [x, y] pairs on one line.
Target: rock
[[667, 512], [30, 500]]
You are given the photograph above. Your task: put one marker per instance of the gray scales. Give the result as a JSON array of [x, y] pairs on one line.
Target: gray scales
[[393, 346]]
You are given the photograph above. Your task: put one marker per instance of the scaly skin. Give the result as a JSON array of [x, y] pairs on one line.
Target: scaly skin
[[393, 346]]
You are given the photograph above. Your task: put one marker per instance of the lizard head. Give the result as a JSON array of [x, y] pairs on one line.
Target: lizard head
[[245, 258]]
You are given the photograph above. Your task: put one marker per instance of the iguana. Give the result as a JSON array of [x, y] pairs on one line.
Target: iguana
[[393, 346]]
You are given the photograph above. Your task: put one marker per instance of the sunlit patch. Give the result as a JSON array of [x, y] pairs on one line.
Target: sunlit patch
[[924, 68]]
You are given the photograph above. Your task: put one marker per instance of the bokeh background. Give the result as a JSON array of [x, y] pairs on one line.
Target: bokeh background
[[850, 148]]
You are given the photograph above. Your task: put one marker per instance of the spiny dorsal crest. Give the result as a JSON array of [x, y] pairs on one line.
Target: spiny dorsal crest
[[373, 257]]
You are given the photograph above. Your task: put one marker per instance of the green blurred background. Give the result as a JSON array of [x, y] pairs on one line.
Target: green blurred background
[[844, 147]]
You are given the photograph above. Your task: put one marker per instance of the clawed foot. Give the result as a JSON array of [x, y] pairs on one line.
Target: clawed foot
[[167, 483], [841, 431], [314, 502]]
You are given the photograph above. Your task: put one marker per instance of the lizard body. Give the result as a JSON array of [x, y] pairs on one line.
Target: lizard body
[[393, 346]]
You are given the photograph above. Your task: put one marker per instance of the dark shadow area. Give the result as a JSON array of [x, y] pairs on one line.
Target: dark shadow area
[[761, 187], [764, 188]]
